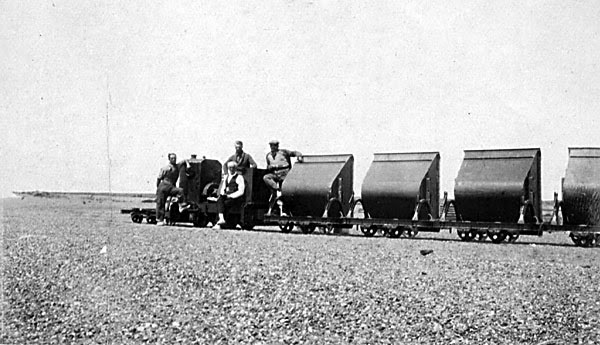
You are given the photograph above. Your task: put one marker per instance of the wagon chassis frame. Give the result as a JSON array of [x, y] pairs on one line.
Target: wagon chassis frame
[[434, 225]]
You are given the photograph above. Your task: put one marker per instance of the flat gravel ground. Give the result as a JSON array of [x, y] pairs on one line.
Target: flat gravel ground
[[76, 271]]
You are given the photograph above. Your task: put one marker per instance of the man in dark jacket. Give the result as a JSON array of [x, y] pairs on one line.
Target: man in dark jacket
[[241, 158], [166, 186]]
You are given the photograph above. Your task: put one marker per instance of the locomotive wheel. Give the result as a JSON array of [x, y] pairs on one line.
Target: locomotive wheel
[[370, 231], [200, 220], [396, 232], [411, 232], [137, 218], [248, 225], [248, 222], [286, 227], [212, 218], [466, 235], [307, 229], [232, 220], [151, 220], [497, 237]]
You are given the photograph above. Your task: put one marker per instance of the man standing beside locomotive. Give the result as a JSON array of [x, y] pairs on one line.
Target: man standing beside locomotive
[[230, 193], [243, 159], [278, 165], [165, 184]]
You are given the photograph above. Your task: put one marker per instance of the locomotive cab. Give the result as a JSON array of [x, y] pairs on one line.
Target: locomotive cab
[[198, 182]]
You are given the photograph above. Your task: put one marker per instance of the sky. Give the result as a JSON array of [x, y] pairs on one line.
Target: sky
[[95, 94]]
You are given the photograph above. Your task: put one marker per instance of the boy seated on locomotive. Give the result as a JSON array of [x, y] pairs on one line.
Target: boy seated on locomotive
[[244, 160], [231, 192]]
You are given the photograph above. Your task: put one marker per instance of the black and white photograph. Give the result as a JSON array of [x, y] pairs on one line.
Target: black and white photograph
[[300, 172]]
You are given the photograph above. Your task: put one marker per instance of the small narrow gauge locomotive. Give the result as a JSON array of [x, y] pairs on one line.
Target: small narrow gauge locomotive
[[200, 184]]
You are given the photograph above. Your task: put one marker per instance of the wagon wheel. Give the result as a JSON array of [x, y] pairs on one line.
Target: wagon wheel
[[370, 231], [481, 236], [512, 237], [411, 232], [328, 229], [466, 234], [286, 227], [136, 217], [151, 220], [200, 220], [334, 210], [396, 232], [497, 237], [307, 229]]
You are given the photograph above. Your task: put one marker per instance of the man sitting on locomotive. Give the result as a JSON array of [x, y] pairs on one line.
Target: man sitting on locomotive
[[165, 187], [243, 159], [278, 165], [231, 192]]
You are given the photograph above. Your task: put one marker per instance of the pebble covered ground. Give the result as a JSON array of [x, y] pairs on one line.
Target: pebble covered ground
[[75, 270]]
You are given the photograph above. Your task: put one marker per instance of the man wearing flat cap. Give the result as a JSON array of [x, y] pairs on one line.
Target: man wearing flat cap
[[278, 165], [241, 158]]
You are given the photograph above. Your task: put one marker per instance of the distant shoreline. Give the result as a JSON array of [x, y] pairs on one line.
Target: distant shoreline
[[104, 194], [123, 194]]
